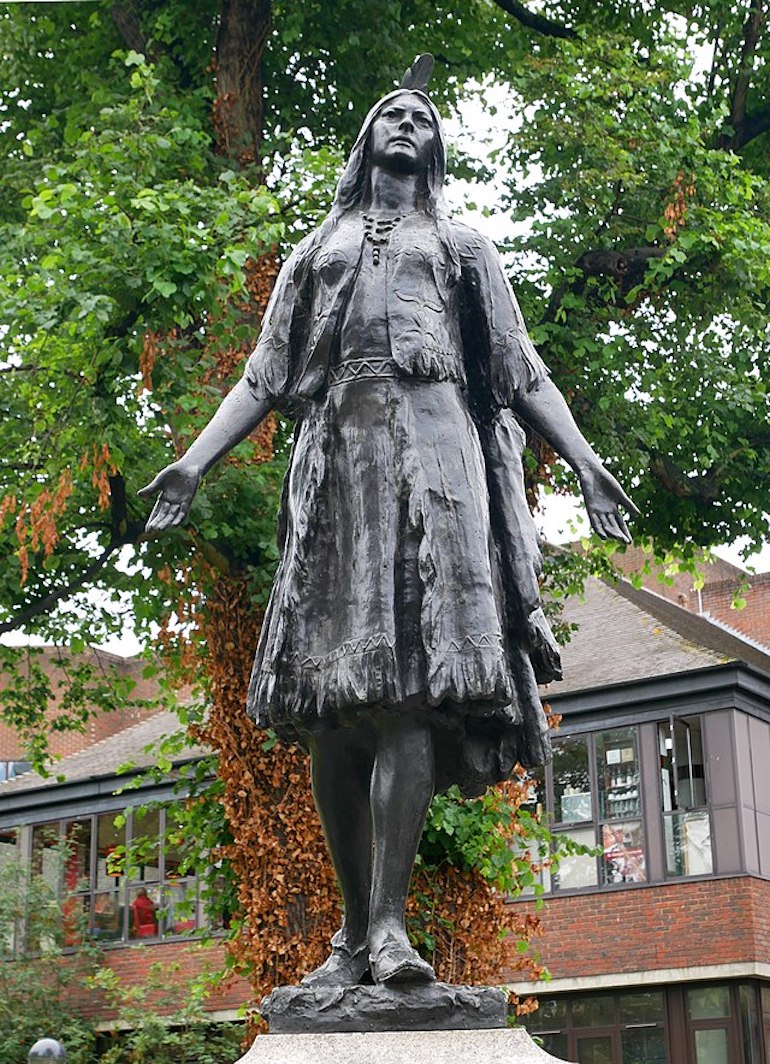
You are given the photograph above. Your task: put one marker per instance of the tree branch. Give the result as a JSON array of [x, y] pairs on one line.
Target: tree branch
[[130, 28], [752, 32], [47, 602], [536, 22], [753, 126], [618, 263]]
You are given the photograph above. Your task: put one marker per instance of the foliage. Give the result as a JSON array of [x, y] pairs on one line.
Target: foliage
[[138, 242], [35, 929], [161, 1021]]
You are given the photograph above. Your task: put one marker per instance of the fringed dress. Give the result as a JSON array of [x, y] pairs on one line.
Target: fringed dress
[[409, 561]]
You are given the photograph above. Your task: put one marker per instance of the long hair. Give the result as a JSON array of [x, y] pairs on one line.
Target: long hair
[[356, 177]]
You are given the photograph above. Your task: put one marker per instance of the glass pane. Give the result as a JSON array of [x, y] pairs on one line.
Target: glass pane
[[688, 844], [708, 1002], [535, 803], [144, 857], [77, 859], [623, 859], [688, 753], [109, 859], [577, 870], [644, 1046], [46, 854], [107, 916], [646, 1006], [180, 906], [555, 1044], [143, 916], [18, 768], [8, 848], [9, 928], [711, 1047], [617, 773], [751, 1024], [571, 781], [550, 1016], [597, 1050], [596, 1011], [75, 918]]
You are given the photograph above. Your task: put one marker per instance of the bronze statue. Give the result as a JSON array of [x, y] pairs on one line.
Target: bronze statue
[[404, 638]]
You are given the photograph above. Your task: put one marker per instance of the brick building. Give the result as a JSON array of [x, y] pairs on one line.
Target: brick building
[[58, 668], [658, 947]]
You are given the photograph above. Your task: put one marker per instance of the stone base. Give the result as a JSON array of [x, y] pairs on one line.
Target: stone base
[[408, 1007], [500, 1046]]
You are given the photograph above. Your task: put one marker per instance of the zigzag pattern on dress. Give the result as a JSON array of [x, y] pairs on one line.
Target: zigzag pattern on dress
[[362, 368], [354, 647], [349, 649], [485, 641]]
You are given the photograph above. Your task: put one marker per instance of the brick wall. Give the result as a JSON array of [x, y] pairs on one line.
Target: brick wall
[[132, 965], [101, 725], [722, 580], [672, 925]]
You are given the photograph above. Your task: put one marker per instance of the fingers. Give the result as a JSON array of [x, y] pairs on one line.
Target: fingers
[[166, 514], [152, 488], [609, 524], [632, 508]]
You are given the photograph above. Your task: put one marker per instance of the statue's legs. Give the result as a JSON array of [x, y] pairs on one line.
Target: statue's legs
[[372, 788], [402, 786], [341, 768]]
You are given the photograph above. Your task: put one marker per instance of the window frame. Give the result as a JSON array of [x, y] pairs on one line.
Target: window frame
[[87, 895]]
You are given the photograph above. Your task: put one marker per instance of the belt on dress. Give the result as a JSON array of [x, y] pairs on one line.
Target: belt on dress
[[363, 369]]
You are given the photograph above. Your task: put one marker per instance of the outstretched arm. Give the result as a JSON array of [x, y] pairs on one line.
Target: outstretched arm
[[544, 409], [239, 414]]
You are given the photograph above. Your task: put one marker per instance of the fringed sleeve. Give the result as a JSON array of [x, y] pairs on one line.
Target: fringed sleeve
[[499, 336], [271, 366]]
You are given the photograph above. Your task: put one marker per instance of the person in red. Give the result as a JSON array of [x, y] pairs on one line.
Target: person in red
[[145, 922]]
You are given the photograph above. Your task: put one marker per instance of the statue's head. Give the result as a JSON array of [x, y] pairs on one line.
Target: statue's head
[[402, 131]]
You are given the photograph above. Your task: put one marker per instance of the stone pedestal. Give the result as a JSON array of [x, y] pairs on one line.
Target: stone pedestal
[[404, 1007], [502, 1045]]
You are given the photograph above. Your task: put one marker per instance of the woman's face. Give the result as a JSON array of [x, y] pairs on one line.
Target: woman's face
[[403, 135]]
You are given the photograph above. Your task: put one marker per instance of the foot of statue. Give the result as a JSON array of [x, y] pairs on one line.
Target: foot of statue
[[343, 967], [394, 961]]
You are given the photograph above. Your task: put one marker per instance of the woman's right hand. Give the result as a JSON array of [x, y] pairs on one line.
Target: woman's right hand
[[177, 485]]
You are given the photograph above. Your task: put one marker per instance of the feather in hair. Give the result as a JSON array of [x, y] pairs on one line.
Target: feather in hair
[[418, 74]]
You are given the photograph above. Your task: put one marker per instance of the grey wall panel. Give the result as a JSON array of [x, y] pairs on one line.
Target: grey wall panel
[[748, 819], [759, 747], [763, 839], [718, 728], [725, 840], [745, 781], [650, 770]]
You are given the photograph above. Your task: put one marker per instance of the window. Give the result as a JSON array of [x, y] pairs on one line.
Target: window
[[597, 802], [701, 1023], [686, 821], [603, 1028], [111, 896]]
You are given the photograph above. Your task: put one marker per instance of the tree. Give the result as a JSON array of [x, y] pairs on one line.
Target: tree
[[159, 158]]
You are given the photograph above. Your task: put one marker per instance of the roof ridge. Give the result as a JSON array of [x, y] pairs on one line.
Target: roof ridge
[[737, 632], [698, 628]]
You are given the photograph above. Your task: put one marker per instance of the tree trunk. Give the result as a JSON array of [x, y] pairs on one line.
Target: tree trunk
[[238, 110]]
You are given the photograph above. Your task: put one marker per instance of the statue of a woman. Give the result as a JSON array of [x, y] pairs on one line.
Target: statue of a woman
[[404, 637]]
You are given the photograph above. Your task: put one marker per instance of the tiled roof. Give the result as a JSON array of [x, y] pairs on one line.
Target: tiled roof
[[627, 634], [106, 757]]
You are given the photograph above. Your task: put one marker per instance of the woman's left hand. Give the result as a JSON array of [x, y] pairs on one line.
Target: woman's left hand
[[603, 497]]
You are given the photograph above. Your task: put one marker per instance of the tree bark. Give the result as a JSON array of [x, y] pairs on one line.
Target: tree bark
[[547, 26], [239, 107]]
